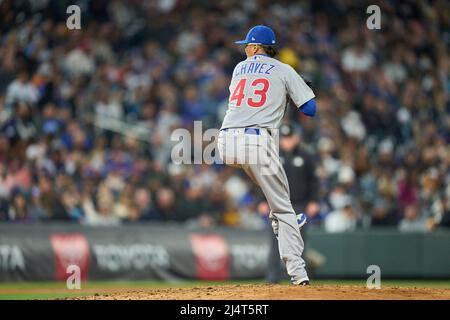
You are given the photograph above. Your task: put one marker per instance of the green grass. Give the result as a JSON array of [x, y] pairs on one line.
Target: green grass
[[52, 290], [120, 284], [30, 290], [39, 296]]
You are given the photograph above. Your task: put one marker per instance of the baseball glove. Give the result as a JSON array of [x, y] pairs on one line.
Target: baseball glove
[[307, 81]]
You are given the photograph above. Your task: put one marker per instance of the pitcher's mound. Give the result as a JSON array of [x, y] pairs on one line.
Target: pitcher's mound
[[276, 292]]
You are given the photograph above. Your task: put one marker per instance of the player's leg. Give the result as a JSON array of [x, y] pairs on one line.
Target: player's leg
[[233, 149], [298, 224], [290, 242], [275, 187]]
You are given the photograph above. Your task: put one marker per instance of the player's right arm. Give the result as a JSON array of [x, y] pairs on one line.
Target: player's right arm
[[300, 93]]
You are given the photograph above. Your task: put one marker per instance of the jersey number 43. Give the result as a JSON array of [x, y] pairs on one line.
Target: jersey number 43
[[259, 94]]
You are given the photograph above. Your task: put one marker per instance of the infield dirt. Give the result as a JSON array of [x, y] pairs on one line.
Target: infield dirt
[[275, 292]]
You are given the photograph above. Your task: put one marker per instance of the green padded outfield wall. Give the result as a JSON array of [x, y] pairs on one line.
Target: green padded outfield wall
[[170, 252], [399, 255]]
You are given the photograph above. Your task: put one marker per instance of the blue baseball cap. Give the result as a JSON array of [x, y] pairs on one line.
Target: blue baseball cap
[[259, 35]]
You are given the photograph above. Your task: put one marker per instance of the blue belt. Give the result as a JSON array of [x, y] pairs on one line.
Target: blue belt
[[247, 130]]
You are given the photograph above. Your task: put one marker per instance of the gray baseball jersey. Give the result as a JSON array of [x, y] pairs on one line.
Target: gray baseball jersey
[[258, 93]]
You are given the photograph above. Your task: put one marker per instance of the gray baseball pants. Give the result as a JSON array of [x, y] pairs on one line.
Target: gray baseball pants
[[255, 150]]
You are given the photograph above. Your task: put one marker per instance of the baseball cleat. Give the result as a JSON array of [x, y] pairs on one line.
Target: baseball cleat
[[301, 282], [301, 220], [304, 283]]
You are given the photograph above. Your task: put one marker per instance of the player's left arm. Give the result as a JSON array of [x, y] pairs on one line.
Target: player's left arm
[[300, 92], [309, 107]]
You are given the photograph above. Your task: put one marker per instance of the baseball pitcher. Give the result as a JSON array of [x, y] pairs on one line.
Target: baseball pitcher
[[248, 138]]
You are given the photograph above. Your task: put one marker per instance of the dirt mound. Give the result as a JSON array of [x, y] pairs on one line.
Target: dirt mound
[[276, 292]]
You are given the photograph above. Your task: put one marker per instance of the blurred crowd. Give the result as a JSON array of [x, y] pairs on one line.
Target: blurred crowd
[[86, 115]]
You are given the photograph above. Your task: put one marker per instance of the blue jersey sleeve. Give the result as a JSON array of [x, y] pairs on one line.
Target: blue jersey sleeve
[[309, 107]]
